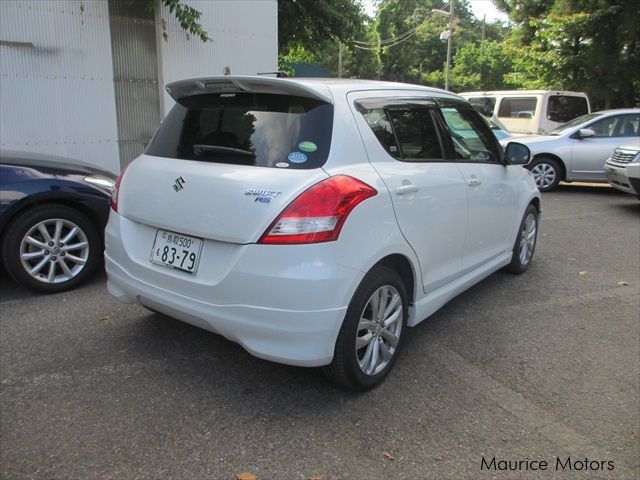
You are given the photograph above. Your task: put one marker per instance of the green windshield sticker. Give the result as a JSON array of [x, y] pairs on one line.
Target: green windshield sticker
[[308, 146]]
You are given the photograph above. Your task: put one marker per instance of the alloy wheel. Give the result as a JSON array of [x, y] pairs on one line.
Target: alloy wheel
[[54, 250], [528, 239], [379, 330]]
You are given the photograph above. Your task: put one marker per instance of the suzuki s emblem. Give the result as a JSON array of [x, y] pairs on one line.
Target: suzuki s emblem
[[179, 183]]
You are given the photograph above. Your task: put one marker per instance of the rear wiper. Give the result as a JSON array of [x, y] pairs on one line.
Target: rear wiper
[[200, 149]]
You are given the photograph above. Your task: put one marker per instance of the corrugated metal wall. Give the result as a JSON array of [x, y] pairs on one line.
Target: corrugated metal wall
[[135, 69], [57, 92], [56, 88], [245, 37]]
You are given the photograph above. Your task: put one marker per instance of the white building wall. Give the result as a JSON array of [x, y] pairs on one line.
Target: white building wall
[[245, 38], [56, 81]]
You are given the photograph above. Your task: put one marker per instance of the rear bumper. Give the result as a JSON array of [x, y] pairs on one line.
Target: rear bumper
[[625, 177], [250, 298]]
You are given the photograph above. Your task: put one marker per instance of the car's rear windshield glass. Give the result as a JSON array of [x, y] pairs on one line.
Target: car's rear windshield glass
[[260, 129], [562, 108], [484, 105]]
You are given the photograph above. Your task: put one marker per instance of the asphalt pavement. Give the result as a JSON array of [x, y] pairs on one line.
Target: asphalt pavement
[[543, 366]]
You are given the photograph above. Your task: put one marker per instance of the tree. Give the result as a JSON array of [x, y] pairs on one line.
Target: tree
[[585, 45], [187, 16], [311, 24], [481, 66]]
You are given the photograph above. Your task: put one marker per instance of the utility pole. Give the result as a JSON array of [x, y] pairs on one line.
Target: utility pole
[[339, 59], [449, 36], [449, 44]]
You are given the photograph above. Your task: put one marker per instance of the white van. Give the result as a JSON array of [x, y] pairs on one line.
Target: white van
[[530, 111]]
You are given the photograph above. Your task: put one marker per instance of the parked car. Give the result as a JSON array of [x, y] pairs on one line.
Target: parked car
[[623, 168], [312, 221], [53, 211], [577, 151], [530, 111]]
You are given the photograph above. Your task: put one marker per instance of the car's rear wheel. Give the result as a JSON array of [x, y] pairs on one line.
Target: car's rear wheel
[[372, 331], [525, 243], [51, 248], [546, 172]]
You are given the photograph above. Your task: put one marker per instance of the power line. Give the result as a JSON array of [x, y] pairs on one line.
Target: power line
[[388, 45]]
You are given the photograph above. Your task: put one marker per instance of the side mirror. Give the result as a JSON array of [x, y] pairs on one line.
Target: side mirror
[[585, 133], [517, 154]]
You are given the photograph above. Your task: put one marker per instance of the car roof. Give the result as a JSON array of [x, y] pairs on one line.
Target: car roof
[[618, 110], [321, 88]]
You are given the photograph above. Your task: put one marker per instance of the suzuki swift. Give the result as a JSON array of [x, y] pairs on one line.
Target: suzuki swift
[[313, 221]]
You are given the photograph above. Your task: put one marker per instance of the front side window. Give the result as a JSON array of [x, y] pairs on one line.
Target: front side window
[[406, 132], [562, 108], [616, 126], [472, 139], [518, 107]]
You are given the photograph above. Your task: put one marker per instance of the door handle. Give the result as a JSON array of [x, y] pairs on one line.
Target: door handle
[[406, 189], [473, 182]]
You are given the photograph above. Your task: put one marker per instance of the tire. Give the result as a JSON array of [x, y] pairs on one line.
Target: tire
[[349, 366], [55, 268], [526, 240], [546, 172]]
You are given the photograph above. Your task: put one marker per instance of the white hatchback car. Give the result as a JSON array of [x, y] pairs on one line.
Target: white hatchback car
[[312, 221]]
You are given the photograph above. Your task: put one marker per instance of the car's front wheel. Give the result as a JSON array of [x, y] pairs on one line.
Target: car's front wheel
[[546, 173], [51, 248], [525, 243], [372, 331]]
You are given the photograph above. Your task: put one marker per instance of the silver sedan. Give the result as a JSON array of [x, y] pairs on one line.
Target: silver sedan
[[577, 150]]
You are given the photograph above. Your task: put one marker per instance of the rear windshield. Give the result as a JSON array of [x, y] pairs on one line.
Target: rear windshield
[[484, 105], [260, 129], [562, 108]]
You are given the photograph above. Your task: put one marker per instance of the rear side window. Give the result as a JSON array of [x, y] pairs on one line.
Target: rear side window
[[259, 129], [562, 108], [518, 107], [406, 132]]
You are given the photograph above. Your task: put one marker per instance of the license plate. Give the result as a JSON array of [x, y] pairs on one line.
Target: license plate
[[175, 250]]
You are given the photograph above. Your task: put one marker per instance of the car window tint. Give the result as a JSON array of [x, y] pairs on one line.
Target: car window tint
[[484, 105], [257, 129], [562, 108], [406, 132], [518, 107], [471, 137], [616, 126], [381, 126], [416, 133]]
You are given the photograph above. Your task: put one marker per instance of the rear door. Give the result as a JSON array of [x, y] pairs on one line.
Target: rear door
[[427, 191], [490, 186], [223, 165]]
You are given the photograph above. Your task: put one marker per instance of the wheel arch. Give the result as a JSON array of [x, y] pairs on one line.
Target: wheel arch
[[563, 167], [42, 201], [403, 267]]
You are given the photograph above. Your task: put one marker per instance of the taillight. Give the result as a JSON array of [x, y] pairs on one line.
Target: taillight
[[116, 188], [318, 214]]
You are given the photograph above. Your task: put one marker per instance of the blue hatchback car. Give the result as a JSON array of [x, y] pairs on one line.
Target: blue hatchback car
[[52, 217]]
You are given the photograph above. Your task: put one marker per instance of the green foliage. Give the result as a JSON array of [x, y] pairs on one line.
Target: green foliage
[[187, 16], [587, 45], [312, 24], [481, 66]]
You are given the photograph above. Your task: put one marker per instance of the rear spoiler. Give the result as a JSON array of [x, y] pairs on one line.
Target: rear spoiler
[[240, 83]]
